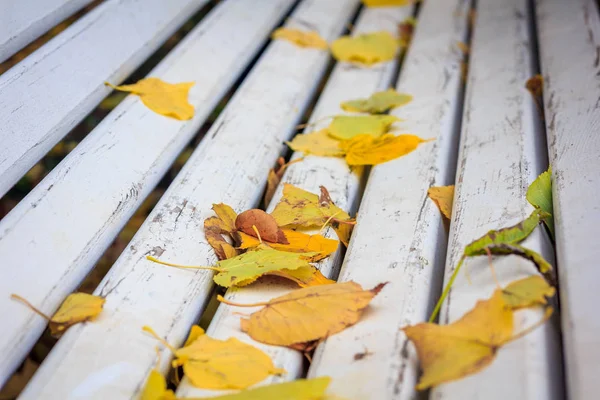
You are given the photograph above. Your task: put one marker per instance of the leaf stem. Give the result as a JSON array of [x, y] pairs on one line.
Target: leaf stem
[[149, 330], [156, 260], [436, 310], [28, 304], [230, 303], [257, 233]]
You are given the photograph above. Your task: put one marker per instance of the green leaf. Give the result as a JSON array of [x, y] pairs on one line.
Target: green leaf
[[346, 127], [539, 195], [377, 103]]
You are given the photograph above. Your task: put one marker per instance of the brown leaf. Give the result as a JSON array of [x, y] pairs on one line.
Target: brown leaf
[[264, 223]]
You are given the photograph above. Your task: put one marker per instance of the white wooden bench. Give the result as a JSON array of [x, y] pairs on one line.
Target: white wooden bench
[[489, 140]]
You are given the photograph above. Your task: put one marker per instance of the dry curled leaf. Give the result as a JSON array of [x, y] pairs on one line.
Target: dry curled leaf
[[77, 307], [366, 49], [274, 177], [528, 292], [298, 242], [406, 30], [369, 150], [308, 314], [300, 389], [443, 197], [265, 225], [168, 99], [216, 227], [301, 38], [318, 143], [535, 85], [346, 127], [378, 102]]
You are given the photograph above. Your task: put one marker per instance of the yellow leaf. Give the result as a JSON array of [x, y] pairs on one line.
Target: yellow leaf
[[156, 388], [301, 38], [299, 242], [367, 150], [227, 215], [528, 292], [168, 99], [299, 208], [216, 227], [443, 197], [308, 314], [195, 333], [301, 389], [304, 276], [343, 231], [386, 3], [318, 143], [377, 103], [450, 352], [230, 364], [346, 127], [77, 307], [368, 49]]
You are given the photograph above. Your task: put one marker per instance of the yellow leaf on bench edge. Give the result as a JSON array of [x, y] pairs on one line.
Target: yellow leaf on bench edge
[[386, 3], [345, 127], [367, 150], [378, 102], [301, 38], [304, 276], [299, 242], [156, 388], [300, 389], [443, 197], [318, 143], [168, 99], [367, 49], [528, 292]]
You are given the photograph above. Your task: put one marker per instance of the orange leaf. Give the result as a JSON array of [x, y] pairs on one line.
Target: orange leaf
[[443, 197]]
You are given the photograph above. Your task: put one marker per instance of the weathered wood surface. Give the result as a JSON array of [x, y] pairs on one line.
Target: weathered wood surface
[[111, 357], [345, 82], [52, 239], [399, 237], [52, 90], [502, 150], [25, 20], [569, 42]]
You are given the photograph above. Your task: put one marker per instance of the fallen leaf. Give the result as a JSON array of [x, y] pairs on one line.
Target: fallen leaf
[[343, 231], [168, 99], [368, 150], [299, 208], [308, 314], [528, 292], [195, 332], [274, 177], [539, 195], [535, 85], [406, 30], [301, 38], [304, 276], [227, 215], [244, 269], [443, 197], [156, 388], [77, 307], [386, 3], [346, 127], [299, 242], [367, 49], [463, 47], [377, 103], [216, 227], [265, 225], [300, 389], [318, 143]]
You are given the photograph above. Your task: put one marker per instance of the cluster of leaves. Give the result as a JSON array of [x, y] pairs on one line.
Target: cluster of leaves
[[450, 352]]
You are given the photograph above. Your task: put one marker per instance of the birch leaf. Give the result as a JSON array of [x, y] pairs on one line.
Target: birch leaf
[[308, 314], [346, 127], [377, 103], [299, 242], [318, 143], [301, 38], [168, 99], [443, 197], [259, 224], [450, 352], [367, 49], [224, 364], [539, 195], [77, 308], [300, 389], [156, 388], [367, 150], [528, 292]]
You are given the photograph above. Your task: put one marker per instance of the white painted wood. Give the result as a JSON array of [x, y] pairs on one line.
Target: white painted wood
[[569, 41], [51, 240], [502, 151], [49, 92], [399, 237], [21, 22], [111, 357], [345, 82]]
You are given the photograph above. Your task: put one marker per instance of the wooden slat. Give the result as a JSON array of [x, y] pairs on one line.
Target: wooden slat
[[111, 357], [25, 20], [345, 82], [502, 151], [569, 41], [51, 240], [399, 237], [49, 92]]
